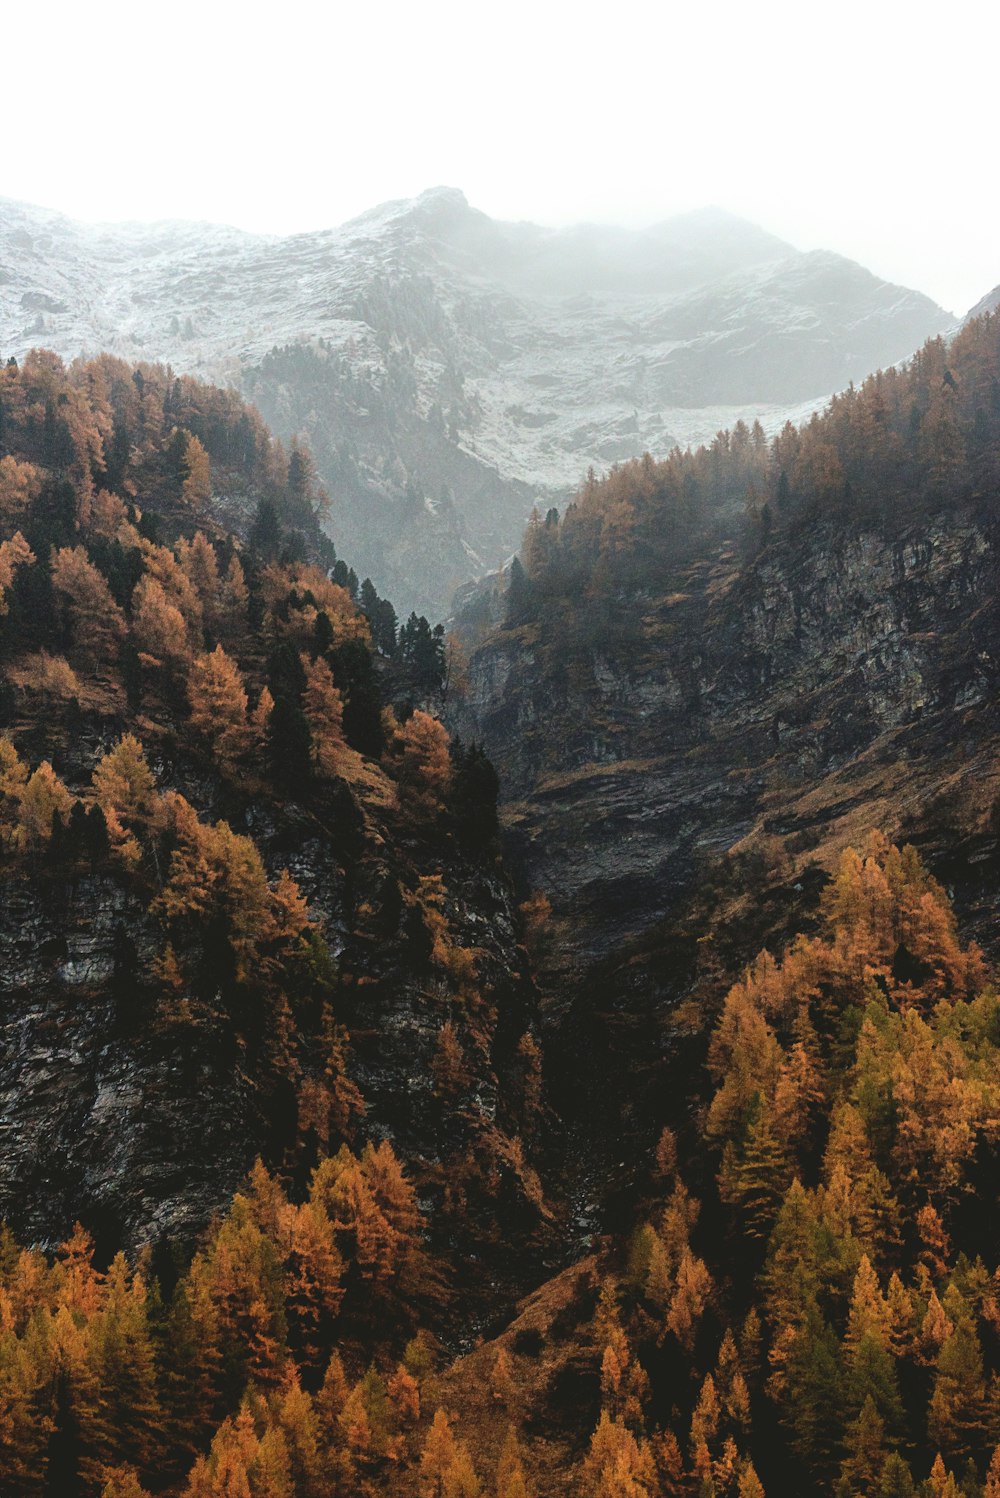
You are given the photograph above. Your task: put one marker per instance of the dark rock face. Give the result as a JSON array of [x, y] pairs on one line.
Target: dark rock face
[[827, 685], [98, 1120], [143, 1133]]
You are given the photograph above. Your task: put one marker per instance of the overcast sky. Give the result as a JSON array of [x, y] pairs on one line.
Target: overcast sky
[[867, 127]]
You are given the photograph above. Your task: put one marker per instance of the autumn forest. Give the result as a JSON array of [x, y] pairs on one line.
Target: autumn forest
[[309, 1193]]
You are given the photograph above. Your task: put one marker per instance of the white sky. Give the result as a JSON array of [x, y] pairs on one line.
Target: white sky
[[864, 126]]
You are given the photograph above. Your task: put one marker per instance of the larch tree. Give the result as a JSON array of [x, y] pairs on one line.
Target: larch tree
[[510, 1478], [123, 1482], [80, 1283], [423, 764], [200, 565], [234, 597], [51, 678], [43, 799], [196, 490], [750, 1485], [219, 706], [121, 1351], [157, 624], [438, 1457], [95, 622], [324, 711], [260, 717], [13, 779], [14, 553], [125, 790], [296, 1417], [20, 486]]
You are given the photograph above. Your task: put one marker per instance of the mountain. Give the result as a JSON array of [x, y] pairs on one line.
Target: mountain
[[235, 915], [672, 1171], [684, 705], [989, 303], [666, 685], [450, 370]]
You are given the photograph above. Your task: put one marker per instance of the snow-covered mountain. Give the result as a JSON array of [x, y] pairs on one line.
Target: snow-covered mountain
[[989, 303], [450, 370]]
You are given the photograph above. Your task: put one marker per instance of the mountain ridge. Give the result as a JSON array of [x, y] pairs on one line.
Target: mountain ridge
[[450, 370]]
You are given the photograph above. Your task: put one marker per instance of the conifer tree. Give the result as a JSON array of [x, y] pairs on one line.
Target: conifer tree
[[123, 1359], [45, 801], [94, 621], [896, 1479], [324, 712], [219, 706], [123, 1482], [196, 489]]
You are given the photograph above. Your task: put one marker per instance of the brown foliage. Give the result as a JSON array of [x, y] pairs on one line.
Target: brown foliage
[[96, 620]]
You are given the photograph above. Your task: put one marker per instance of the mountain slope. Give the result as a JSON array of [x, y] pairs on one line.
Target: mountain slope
[[449, 370], [253, 903], [662, 693], [237, 919]]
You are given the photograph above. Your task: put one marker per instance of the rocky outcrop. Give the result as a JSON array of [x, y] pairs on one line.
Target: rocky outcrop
[[834, 681], [143, 1130]]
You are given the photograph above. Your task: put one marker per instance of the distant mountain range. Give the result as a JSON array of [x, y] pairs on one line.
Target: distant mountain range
[[450, 370]]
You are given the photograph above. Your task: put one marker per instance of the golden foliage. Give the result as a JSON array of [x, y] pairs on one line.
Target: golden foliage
[[197, 487], [14, 553], [20, 485], [96, 620], [157, 624], [422, 765], [219, 706], [324, 710]]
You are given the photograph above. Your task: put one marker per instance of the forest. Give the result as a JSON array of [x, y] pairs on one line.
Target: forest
[[909, 443], [212, 728]]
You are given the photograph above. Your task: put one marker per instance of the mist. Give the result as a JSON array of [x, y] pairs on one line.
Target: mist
[[859, 129]]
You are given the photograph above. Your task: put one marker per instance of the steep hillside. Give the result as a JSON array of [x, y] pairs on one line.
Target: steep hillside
[[270, 1030], [449, 370], [662, 693], [237, 918]]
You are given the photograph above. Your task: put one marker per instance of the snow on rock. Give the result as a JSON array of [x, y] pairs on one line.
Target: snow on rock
[[450, 370]]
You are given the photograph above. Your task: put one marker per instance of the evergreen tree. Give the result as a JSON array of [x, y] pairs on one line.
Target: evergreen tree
[[355, 678], [519, 599], [475, 790], [289, 747], [265, 533]]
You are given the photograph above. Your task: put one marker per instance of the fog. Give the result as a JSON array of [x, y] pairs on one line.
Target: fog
[[862, 128]]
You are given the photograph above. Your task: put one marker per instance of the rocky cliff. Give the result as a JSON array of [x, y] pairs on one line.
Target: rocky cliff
[[143, 1131], [823, 681]]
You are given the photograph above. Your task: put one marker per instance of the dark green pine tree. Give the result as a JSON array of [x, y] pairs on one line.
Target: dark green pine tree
[[518, 596], [368, 598], [354, 675], [871, 1377], [265, 533], [813, 1401], [383, 626], [286, 676], [896, 1479], [288, 748], [865, 1447], [323, 636], [96, 839], [475, 788], [421, 651]]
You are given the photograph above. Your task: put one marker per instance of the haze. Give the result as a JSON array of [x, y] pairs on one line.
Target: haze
[[862, 128]]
